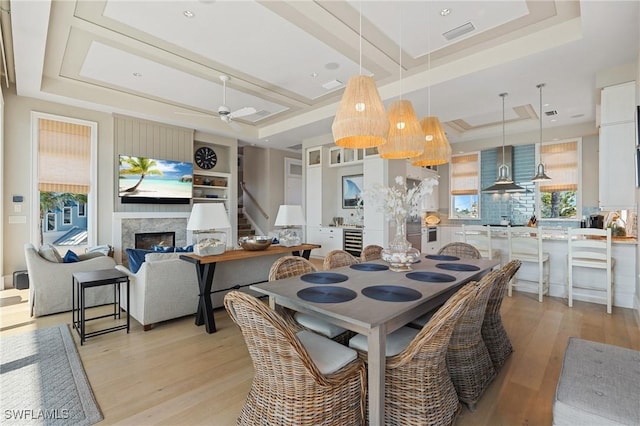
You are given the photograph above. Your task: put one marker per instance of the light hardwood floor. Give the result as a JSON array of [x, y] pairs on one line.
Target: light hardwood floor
[[176, 374]]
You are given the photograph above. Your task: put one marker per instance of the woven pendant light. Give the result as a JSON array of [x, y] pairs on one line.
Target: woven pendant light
[[540, 176], [436, 145], [361, 120], [405, 139]]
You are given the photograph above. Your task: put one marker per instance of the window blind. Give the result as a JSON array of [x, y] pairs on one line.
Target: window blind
[[561, 163], [464, 174], [64, 157]]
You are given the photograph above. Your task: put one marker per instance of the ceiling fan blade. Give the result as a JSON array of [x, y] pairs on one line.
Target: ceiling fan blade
[[242, 112]]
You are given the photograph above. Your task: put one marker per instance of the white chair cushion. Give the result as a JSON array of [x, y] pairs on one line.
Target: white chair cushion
[[396, 341], [327, 355], [318, 325]]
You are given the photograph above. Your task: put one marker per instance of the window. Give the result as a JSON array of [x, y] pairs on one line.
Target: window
[[65, 156], [66, 216], [559, 197], [464, 178], [82, 209]]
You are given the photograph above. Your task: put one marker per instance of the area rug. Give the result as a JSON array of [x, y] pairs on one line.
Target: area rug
[[43, 381]]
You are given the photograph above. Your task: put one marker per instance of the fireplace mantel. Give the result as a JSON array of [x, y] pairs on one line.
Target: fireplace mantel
[[131, 222]]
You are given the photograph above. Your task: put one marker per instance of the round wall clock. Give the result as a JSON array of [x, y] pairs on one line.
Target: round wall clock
[[205, 158]]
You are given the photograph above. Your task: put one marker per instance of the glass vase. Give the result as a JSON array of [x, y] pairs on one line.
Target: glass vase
[[400, 255]]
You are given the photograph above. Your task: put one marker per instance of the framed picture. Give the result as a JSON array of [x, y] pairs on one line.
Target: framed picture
[[351, 191]]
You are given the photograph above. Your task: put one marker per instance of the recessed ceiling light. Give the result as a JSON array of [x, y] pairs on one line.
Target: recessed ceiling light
[[445, 12], [314, 74], [188, 14], [553, 120], [577, 116], [137, 74]]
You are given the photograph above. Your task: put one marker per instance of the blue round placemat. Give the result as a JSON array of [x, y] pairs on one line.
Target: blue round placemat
[[441, 257], [369, 267], [430, 277], [391, 293], [327, 294], [457, 267], [324, 278]]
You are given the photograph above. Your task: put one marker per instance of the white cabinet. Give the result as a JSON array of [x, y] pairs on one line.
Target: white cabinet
[[313, 196], [345, 156], [329, 238], [617, 148], [618, 103], [617, 166], [430, 202]]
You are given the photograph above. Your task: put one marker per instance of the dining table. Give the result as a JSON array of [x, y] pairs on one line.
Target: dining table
[[370, 299]]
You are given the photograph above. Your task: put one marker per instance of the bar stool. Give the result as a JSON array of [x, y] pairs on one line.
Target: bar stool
[[479, 236], [590, 248], [525, 245]]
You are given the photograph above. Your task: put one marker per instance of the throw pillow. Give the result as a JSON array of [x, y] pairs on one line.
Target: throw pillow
[[185, 249], [50, 253], [162, 249], [70, 257], [136, 258]]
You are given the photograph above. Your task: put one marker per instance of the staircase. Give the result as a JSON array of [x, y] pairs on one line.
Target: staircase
[[244, 227]]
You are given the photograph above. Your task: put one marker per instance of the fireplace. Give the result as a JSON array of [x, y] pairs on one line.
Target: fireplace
[[146, 240]]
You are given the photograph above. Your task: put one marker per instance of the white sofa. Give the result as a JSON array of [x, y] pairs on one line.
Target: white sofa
[[50, 282], [164, 288]]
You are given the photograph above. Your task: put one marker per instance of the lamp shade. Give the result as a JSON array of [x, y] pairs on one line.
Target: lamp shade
[[290, 215], [405, 138], [361, 120], [206, 216], [436, 145]]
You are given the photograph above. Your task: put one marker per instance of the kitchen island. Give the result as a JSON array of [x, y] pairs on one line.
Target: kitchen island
[[555, 243]]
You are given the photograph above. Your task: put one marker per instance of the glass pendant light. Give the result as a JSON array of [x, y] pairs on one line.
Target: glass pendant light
[[504, 183], [405, 138], [540, 176], [361, 120]]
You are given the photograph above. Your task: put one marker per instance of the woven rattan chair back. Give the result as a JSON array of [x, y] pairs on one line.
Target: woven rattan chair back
[[468, 359], [338, 259], [287, 387], [418, 389], [290, 266], [493, 332], [461, 250], [371, 252]]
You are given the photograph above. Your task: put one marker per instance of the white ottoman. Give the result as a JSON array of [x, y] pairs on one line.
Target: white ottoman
[[599, 385]]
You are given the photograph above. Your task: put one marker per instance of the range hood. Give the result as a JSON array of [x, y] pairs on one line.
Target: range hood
[[504, 183]]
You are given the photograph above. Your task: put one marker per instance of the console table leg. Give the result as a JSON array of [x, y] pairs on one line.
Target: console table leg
[[205, 307]]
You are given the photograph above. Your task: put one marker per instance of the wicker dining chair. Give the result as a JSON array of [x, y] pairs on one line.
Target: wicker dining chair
[[299, 378], [371, 252], [461, 250], [468, 359], [493, 333], [293, 266], [337, 259], [418, 388]]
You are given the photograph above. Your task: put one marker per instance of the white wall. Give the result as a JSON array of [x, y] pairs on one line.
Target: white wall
[[17, 171]]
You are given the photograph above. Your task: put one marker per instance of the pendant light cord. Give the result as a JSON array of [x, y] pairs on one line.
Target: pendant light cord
[[400, 53], [540, 86], [504, 95], [360, 39]]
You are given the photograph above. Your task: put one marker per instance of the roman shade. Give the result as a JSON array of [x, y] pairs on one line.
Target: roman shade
[[464, 174], [561, 162], [64, 157]]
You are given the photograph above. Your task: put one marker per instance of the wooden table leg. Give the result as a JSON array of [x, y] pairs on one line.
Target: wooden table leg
[[377, 362]]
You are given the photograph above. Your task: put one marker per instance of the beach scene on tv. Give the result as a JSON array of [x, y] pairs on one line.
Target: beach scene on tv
[[151, 178]]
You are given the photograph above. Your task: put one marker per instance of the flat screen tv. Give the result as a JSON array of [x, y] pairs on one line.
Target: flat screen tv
[[152, 181]]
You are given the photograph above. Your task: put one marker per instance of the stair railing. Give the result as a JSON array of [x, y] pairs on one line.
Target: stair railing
[[255, 202]]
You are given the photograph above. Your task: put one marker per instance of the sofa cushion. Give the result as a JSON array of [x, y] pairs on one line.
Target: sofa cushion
[[157, 257], [70, 257], [136, 258], [50, 253]]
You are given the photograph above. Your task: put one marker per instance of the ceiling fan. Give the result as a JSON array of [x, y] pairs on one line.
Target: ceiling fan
[[224, 112]]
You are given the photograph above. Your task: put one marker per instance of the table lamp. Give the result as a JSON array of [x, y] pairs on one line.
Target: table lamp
[[205, 221], [290, 217]]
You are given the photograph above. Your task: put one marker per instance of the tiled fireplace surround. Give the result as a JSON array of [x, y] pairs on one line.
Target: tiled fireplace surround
[[126, 225]]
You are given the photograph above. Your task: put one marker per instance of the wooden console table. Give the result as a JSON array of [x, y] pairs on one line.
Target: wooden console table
[[206, 265]]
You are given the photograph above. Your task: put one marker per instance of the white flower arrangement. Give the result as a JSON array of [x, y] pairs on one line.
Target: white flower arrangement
[[397, 202]]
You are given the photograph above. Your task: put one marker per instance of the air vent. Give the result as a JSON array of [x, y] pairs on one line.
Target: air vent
[[551, 113], [295, 147], [333, 84], [459, 31]]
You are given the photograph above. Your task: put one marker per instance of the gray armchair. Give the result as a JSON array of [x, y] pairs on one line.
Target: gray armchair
[[50, 282]]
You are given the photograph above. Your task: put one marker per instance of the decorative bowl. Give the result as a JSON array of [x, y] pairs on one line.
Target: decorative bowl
[[256, 242]]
